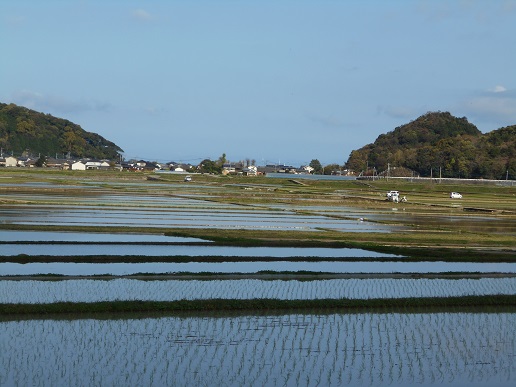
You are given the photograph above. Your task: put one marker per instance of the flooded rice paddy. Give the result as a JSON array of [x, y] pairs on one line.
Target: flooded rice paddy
[[364, 349], [122, 268], [225, 216], [180, 249], [44, 292], [46, 236], [292, 349]]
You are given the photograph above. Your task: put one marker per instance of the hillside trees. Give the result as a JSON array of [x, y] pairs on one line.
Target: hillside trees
[[23, 130], [439, 141]]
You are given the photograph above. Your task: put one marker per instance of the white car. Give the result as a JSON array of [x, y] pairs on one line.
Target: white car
[[392, 193], [455, 195]]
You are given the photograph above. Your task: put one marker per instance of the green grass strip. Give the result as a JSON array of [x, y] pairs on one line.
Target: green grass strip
[[257, 305]]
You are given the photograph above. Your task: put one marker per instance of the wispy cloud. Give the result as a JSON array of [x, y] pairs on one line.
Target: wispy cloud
[[142, 15], [154, 110], [498, 89], [399, 111], [496, 105], [56, 104], [14, 20], [327, 121]]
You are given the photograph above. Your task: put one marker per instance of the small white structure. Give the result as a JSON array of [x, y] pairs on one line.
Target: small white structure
[[393, 196], [78, 166], [23, 161], [250, 170], [93, 164], [307, 168], [11, 161]]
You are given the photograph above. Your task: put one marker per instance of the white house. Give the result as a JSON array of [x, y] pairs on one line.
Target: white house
[[78, 166], [250, 170], [11, 161], [93, 164], [307, 168]]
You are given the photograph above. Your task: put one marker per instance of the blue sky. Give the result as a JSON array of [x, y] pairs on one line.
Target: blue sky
[[274, 81]]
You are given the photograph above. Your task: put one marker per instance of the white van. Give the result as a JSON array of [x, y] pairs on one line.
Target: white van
[[455, 195]]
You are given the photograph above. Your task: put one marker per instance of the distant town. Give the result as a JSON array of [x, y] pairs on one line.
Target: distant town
[[245, 168]]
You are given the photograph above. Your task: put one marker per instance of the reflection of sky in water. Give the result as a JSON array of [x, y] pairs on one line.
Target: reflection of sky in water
[[235, 218], [46, 236], [337, 349], [117, 200], [171, 250], [84, 290], [251, 267]]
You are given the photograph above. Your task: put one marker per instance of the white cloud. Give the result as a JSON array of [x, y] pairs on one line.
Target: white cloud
[[327, 121], [494, 106], [142, 15], [153, 110], [498, 89], [399, 111], [55, 104]]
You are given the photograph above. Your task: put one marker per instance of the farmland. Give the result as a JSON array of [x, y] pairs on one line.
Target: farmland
[[238, 281]]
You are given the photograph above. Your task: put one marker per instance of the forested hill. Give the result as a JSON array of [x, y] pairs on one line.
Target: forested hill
[[438, 140], [27, 132]]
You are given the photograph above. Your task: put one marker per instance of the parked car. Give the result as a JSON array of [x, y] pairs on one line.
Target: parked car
[[455, 195], [188, 178], [392, 193], [394, 196]]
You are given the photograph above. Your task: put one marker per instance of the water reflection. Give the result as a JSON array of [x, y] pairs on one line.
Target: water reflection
[[453, 349], [66, 268], [232, 217], [46, 236], [182, 250], [41, 291]]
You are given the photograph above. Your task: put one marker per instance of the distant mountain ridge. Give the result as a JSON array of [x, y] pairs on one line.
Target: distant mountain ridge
[[439, 141], [27, 132]]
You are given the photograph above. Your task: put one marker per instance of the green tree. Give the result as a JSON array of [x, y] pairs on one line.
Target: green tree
[[316, 165], [328, 169], [209, 166], [222, 160]]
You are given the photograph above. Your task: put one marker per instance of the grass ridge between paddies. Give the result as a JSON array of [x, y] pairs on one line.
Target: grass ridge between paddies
[[380, 304]]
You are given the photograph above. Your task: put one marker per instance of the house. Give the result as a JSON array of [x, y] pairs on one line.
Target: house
[[178, 167], [23, 161], [58, 163], [78, 166], [228, 169], [306, 169], [11, 161], [250, 171]]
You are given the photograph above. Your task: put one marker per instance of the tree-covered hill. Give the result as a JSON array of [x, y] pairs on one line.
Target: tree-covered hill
[[25, 131], [439, 141]]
